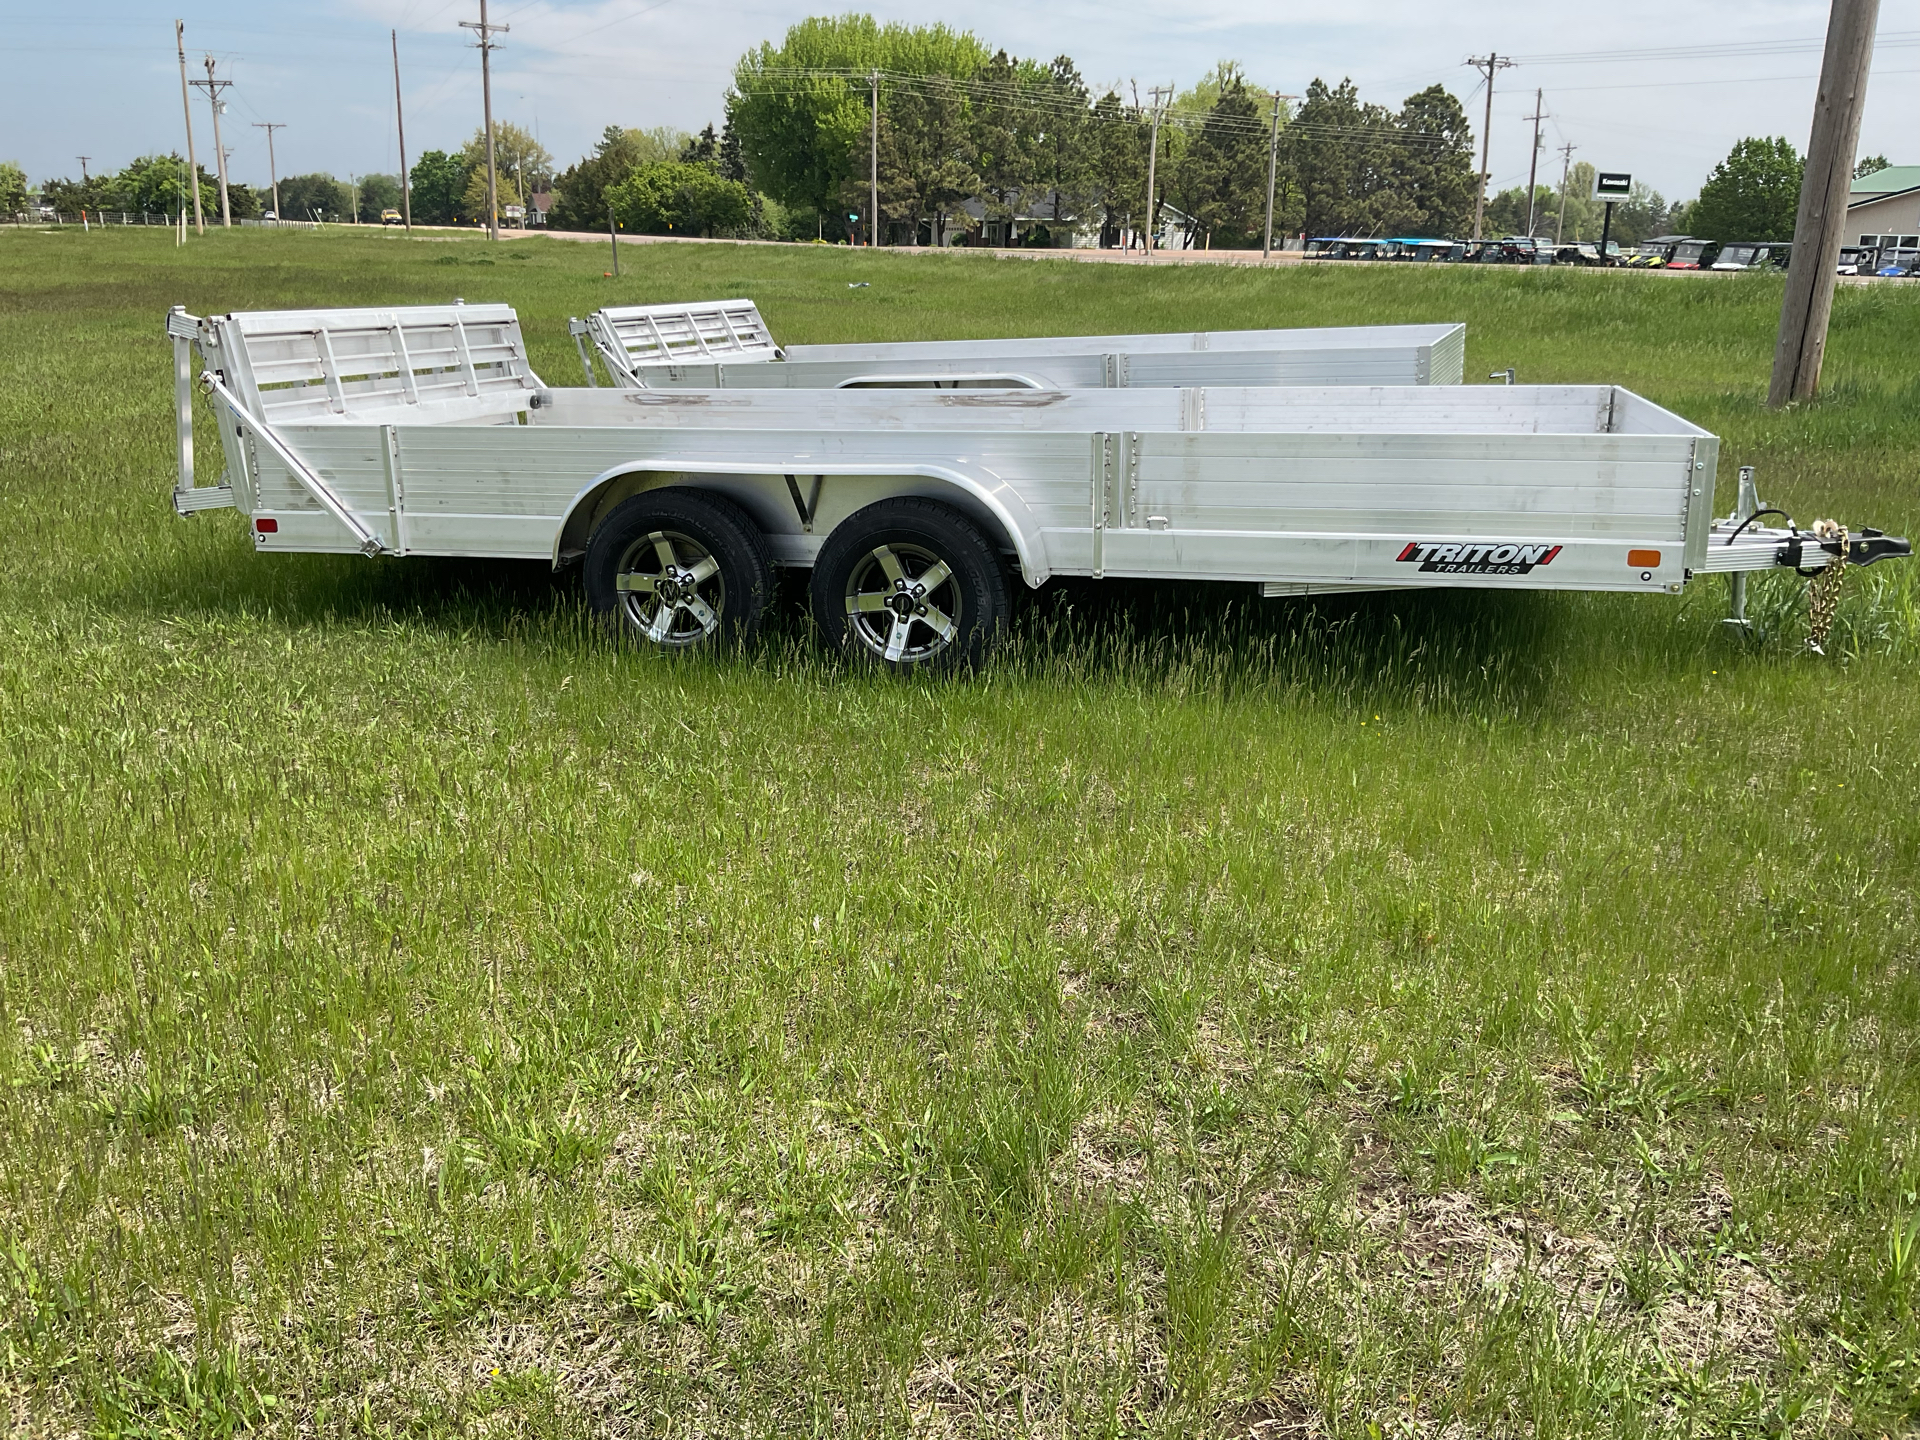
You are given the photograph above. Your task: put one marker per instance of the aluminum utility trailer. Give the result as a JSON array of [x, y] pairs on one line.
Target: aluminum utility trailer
[[424, 431], [725, 345]]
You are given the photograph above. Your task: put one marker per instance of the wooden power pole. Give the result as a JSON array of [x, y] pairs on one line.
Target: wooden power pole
[[1817, 231], [1153, 159], [213, 86], [1487, 66], [1273, 169], [193, 165], [487, 47], [400, 121], [273, 169], [873, 161], [1533, 165]]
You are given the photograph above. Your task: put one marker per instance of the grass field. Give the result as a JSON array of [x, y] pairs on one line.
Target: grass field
[[1420, 1015]]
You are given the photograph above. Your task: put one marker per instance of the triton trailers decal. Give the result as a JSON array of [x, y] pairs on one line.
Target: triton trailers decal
[[1489, 558]]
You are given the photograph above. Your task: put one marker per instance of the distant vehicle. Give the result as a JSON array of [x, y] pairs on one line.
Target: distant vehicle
[[1693, 255], [1583, 253], [1751, 255], [1899, 262], [1429, 250], [1858, 260], [390, 216], [269, 215], [1655, 253], [1337, 247]]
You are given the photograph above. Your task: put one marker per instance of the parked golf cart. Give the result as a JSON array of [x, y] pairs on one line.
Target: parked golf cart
[[1584, 252], [1858, 260], [1693, 255], [1336, 247], [1753, 255], [1428, 250], [1655, 253], [1899, 263]]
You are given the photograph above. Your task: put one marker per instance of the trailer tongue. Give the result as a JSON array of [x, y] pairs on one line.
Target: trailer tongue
[[425, 431]]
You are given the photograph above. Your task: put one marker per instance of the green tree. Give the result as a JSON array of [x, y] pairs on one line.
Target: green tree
[[1640, 217], [666, 197], [926, 155], [1753, 194], [156, 184], [1507, 211], [1431, 169], [516, 156], [473, 203], [801, 108], [1221, 179], [1870, 164], [13, 188], [1117, 178], [438, 181], [377, 193], [1066, 141], [731, 164], [314, 197], [1340, 157], [579, 201], [702, 149], [1008, 133], [70, 197]]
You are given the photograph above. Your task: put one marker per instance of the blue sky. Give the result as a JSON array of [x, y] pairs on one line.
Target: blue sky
[[99, 78]]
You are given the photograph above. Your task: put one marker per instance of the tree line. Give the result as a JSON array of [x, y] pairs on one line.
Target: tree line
[[973, 144], [970, 137]]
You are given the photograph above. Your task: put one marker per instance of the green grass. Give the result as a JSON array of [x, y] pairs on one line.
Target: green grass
[[1467, 1015]]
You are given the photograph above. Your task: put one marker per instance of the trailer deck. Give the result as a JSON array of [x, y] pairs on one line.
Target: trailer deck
[[426, 432]]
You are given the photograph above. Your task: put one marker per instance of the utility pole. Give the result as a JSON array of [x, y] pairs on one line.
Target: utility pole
[[1533, 165], [873, 173], [1566, 172], [400, 121], [487, 47], [1273, 169], [353, 189], [193, 166], [1823, 201], [213, 88], [1153, 158], [83, 159], [1486, 67], [273, 170]]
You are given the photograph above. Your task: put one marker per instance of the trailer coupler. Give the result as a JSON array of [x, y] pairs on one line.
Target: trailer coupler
[[1869, 546]]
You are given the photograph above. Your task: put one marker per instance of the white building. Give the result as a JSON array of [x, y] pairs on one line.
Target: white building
[[1884, 208]]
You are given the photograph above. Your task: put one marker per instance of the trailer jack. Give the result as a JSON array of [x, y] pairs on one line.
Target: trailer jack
[[1821, 554]]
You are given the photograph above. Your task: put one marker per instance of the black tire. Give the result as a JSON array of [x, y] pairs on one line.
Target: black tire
[[867, 595], [715, 587]]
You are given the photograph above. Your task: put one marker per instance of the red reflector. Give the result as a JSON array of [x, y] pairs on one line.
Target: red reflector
[[1642, 559], [267, 525]]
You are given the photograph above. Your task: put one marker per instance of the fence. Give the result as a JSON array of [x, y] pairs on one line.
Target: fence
[[135, 217]]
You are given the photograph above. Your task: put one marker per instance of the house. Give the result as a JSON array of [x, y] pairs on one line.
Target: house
[[1033, 223], [1883, 209]]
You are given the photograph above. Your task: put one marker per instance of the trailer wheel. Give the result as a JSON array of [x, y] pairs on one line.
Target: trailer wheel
[[678, 567], [912, 584]]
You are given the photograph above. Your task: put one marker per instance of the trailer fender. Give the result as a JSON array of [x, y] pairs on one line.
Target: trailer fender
[[1009, 511]]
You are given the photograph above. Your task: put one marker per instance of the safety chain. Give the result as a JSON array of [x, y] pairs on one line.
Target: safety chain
[[1823, 594]]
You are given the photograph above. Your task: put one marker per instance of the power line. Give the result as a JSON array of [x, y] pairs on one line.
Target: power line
[[1892, 39]]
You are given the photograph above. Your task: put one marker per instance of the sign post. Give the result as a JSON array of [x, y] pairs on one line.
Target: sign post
[[1610, 186]]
